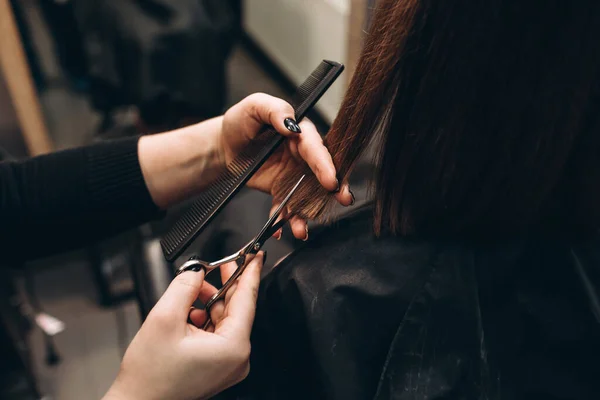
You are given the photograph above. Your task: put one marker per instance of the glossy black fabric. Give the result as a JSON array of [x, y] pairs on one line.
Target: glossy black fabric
[[351, 316]]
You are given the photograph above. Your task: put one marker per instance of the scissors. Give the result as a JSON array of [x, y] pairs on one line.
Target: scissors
[[242, 257]]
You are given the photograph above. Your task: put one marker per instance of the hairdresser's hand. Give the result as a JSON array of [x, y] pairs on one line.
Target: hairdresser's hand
[[170, 359], [243, 121]]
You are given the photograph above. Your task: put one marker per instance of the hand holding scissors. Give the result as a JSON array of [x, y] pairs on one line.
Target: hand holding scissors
[[242, 257]]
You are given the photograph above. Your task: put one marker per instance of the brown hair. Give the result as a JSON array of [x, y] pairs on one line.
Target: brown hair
[[485, 117]]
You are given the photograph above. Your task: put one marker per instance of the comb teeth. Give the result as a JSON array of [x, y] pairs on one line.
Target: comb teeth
[[240, 170], [310, 84]]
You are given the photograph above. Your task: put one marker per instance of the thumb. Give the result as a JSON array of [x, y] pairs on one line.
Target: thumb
[[181, 294]]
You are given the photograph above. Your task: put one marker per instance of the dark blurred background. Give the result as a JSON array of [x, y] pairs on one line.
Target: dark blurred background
[[105, 69]]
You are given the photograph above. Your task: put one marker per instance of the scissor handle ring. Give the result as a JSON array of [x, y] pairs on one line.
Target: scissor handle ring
[[221, 292], [226, 286]]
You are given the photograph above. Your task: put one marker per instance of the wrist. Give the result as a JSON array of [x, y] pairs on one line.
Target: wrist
[[178, 164], [126, 388]]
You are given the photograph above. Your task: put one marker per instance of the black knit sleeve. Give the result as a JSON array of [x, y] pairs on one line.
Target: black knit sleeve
[[68, 199]]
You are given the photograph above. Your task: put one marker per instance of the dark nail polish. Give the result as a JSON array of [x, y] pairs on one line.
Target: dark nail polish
[[353, 198], [292, 125], [264, 258], [337, 188]]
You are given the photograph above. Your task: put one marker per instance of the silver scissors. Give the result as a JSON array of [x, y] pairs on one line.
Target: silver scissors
[[241, 257]]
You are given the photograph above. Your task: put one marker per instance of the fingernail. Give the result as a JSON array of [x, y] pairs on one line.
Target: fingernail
[[337, 186], [279, 234], [353, 198], [264, 257], [292, 125], [306, 229]]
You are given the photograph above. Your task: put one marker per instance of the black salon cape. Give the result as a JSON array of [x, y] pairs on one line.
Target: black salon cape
[[351, 316]]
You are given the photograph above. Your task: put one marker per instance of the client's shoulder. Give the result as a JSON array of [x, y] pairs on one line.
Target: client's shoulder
[[347, 249]]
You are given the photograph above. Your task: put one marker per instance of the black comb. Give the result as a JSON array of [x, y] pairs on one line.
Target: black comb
[[240, 170]]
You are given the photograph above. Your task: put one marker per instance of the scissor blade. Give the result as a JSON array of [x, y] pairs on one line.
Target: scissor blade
[[281, 206], [271, 231], [284, 202], [270, 227], [287, 198]]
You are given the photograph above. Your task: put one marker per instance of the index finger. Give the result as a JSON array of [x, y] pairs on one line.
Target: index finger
[[264, 109], [312, 150], [181, 294]]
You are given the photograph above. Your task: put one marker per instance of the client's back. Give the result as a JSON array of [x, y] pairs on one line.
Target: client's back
[[351, 316], [474, 273]]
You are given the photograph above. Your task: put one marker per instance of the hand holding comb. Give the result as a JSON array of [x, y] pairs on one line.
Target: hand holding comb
[[243, 167]]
